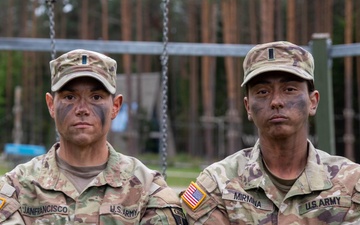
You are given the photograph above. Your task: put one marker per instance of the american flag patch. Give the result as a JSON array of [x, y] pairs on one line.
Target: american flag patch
[[193, 196]]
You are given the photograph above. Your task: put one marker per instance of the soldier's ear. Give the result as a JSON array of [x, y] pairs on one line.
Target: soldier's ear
[[50, 104], [314, 102], [247, 107], [116, 106]]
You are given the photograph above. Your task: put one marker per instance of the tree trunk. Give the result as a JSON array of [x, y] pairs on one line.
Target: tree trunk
[[104, 20], [193, 140], [329, 16], [305, 37], [93, 24], [239, 73], [323, 16], [207, 80], [84, 25], [318, 15], [25, 77], [279, 35], [146, 67], [32, 78], [348, 111], [267, 21], [357, 40], [139, 63], [62, 17], [126, 19], [232, 115], [253, 22], [291, 22], [9, 65]]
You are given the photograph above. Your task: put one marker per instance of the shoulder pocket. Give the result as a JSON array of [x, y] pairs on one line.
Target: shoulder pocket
[[163, 198], [8, 204], [356, 197]]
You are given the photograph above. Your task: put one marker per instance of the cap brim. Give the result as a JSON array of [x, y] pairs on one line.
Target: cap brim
[[68, 77], [293, 70]]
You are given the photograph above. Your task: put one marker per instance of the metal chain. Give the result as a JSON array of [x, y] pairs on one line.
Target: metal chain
[[164, 64], [50, 4]]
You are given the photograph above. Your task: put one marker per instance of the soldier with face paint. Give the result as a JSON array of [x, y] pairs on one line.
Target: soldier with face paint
[[82, 179], [283, 179]]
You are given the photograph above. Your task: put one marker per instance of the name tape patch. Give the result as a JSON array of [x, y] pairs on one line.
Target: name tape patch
[[41, 210], [333, 201], [259, 202]]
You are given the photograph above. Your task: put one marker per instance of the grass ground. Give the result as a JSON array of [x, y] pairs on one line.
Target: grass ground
[[3, 170], [180, 170], [180, 177]]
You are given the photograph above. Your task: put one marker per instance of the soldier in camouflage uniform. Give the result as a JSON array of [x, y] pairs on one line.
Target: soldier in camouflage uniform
[[82, 179], [283, 179]]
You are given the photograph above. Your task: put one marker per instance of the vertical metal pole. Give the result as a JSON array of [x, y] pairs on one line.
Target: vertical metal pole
[[349, 113], [324, 118]]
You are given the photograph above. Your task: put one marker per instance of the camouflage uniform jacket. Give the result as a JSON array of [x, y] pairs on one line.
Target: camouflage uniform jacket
[[126, 192], [237, 191]]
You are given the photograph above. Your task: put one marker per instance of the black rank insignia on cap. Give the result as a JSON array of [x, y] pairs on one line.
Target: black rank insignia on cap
[[271, 54], [84, 59]]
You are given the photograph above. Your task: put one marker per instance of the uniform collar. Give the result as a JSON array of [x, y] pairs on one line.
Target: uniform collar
[[49, 171], [115, 173], [313, 178]]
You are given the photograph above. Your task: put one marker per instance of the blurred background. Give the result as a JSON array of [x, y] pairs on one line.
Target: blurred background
[[206, 118]]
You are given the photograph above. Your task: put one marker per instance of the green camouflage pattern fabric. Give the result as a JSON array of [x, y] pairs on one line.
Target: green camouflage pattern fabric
[[9, 207], [125, 193], [79, 63], [239, 192], [278, 56]]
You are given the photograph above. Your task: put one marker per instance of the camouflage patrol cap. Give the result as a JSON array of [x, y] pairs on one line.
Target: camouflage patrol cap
[[278, 56], [83, 63]]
